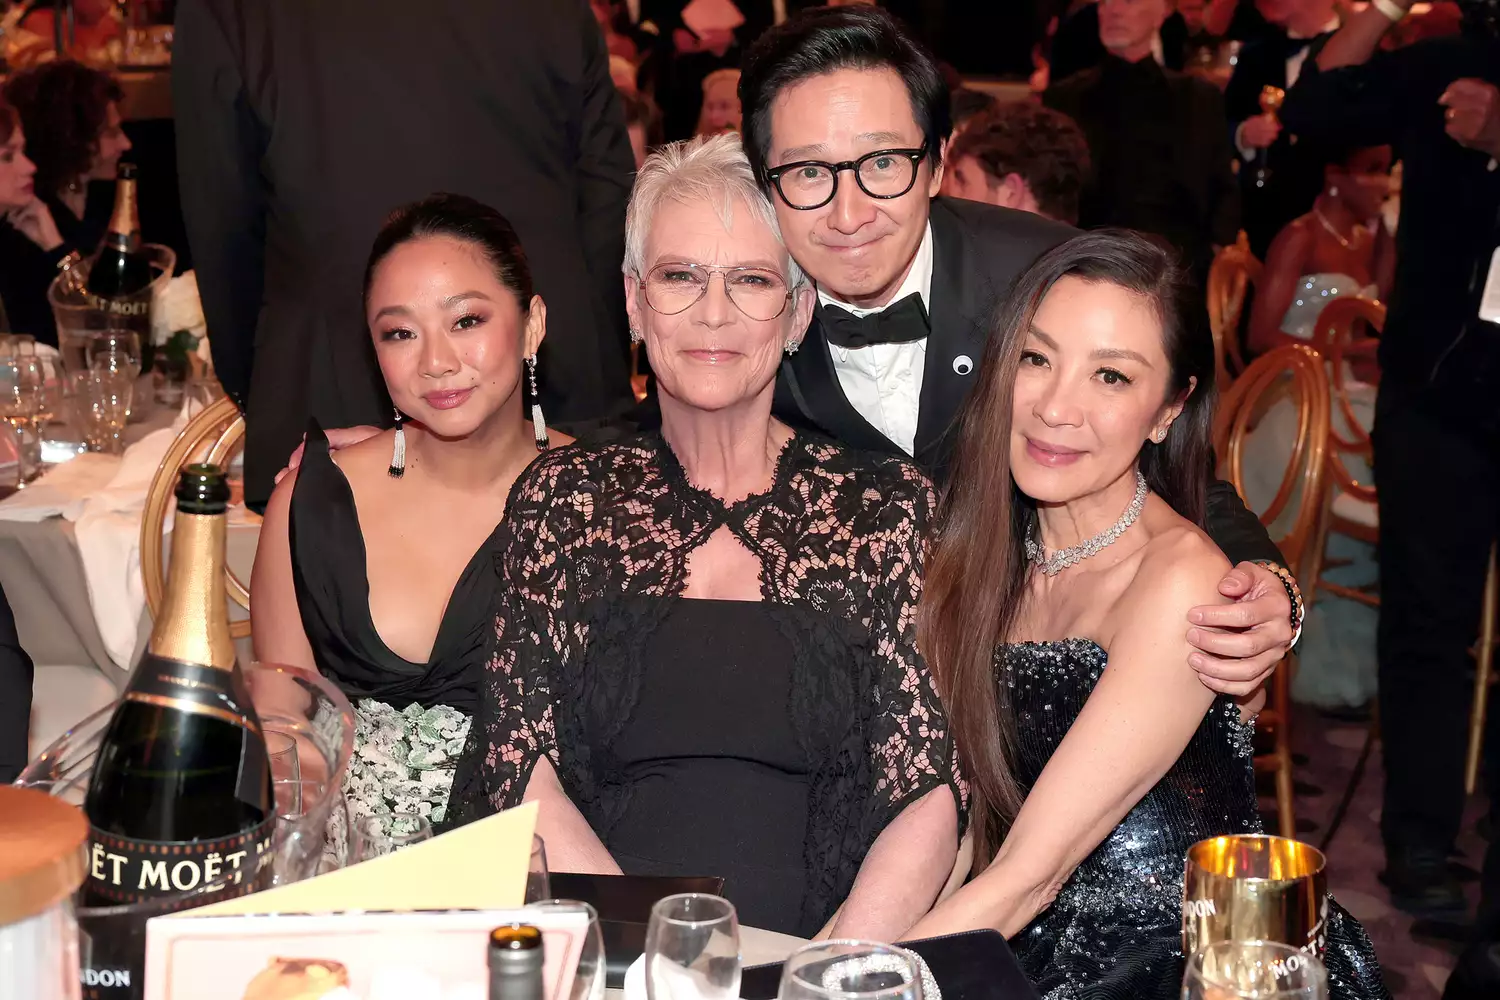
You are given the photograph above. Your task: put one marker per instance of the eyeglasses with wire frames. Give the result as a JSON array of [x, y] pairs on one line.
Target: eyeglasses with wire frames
[[885, 173], [675, 286]]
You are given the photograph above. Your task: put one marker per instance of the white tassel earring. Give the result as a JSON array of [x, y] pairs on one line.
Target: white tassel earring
[[398, 451], [538, 422]]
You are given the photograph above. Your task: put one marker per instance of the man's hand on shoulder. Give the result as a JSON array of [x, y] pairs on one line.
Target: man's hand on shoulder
[[338, 437], [1239, 644]]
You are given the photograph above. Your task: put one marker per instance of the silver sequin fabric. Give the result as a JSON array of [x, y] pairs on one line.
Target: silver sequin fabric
[[1114, 931]]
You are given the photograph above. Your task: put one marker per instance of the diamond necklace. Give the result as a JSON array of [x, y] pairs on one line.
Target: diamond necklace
[[1063, 558]]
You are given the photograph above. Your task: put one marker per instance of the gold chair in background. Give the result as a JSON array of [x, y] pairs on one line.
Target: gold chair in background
[[1484, 655], [1298, 370], [1234, 271], [211, 436], [1350, 507]]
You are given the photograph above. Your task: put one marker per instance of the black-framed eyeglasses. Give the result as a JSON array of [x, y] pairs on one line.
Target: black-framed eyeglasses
[[885, 173], [675, 286]]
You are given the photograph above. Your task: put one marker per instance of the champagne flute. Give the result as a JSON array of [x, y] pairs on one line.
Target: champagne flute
[[1254, 888], [693, 949], [286, 771], [538, 883], [376, 836], [1253, 970], [852, 970]]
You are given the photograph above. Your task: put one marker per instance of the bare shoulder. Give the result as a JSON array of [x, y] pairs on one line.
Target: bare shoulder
[[1180, 568], [370, 457]]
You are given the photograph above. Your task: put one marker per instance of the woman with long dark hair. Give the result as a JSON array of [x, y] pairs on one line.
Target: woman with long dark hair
[[1069, 547]]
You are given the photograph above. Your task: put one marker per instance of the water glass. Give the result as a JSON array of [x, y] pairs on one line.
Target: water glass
[[377, 836], [851, 970], [588, 980], [538, 882], [1253, 970], [693, 949], [103, 400]]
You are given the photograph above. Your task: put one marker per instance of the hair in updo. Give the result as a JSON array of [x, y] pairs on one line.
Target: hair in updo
[[459, 218]]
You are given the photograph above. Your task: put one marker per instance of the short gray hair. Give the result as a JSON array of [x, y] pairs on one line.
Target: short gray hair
[[712, 168]]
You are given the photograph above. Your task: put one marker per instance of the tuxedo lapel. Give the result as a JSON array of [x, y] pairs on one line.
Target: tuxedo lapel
[[814, 390], [959, 301]]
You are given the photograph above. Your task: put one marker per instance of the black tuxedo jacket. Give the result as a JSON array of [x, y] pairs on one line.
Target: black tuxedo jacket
[[978, 253], [301, 125], [1296, 161]]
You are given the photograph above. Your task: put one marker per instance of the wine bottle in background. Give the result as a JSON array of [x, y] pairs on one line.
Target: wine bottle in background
[[120, 273], [516, 955], [180, 797]]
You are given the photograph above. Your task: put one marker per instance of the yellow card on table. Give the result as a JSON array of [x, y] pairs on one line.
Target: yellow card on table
[[481, 866]]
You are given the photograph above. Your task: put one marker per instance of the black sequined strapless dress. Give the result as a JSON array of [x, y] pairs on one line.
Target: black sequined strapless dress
[[1115, 929]]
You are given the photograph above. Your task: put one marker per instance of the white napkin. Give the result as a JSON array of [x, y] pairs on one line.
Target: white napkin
[[61, 488], [107, 524], [672, 983], [635, 979]]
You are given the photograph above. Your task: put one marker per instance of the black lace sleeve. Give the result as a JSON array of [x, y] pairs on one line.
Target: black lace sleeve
[[910, 742]]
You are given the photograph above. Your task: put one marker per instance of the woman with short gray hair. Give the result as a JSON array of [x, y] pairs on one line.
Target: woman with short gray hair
[[705, 659]]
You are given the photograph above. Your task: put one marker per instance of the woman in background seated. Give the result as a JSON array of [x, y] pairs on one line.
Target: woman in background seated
[[376, 567], [71, 115], [706, 661], [1339, 248], [720, 111], [1069, 547], [30, 245]]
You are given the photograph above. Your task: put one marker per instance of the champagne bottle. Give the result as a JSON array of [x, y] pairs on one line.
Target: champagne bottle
[[120, 273], [516, 955], [180, 797]]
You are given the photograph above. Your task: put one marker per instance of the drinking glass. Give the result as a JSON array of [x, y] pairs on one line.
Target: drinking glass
[[588, 980], [693, 949], [20, 403], [851, 970], [286, 771], [538, 883], [124, 343], [1254, 888], [376, 836], [103, 400], [1253, 970], [303, 846]]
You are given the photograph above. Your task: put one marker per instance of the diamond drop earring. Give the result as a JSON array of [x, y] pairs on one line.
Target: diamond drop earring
[[538, 422]]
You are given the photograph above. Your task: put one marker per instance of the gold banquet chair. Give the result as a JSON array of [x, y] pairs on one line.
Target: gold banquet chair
[[211, 436], [1234, 271], [1484, 655], [1299, 370], [1350, 507]]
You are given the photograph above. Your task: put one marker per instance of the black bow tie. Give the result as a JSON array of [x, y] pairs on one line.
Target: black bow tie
[[901, 322]]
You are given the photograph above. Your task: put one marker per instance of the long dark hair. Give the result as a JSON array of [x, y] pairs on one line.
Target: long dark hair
[[977, 570]]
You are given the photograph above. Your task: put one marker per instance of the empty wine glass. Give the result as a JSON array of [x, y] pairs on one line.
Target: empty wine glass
[[538, 882], [21, 385], [588, 980], [693, 949], [377, 836], [851, 970], [117, 348], [1253, 970], [103, 400]]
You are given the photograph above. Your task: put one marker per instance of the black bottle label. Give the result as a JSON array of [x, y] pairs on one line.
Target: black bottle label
[[123, 870], [139, 308]]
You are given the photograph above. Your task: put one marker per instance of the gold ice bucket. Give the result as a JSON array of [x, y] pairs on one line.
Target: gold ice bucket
[[1255, 888]]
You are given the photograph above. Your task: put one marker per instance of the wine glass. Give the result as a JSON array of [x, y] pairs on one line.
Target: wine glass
[[103, 400], [20, 403], [851, 970], [538, 883], [693, 949], [377, 836], [305, 847], [124, 343], [286, 771], [588, 980], [1253, 970]]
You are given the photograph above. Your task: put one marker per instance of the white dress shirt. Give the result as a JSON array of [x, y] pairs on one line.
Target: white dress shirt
[[884, 381]]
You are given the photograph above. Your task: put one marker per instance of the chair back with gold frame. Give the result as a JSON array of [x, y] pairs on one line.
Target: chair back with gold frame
[[1234, 270], [1299, 369], [1333, 335], [211, 436]]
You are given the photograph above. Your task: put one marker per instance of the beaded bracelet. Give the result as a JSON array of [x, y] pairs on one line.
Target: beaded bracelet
[[1293, 593]]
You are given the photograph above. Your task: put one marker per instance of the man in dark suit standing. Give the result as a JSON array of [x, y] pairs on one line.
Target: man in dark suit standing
[[16, 675], [1281, 173], [1161, 156], [908, 283], [302, 123]]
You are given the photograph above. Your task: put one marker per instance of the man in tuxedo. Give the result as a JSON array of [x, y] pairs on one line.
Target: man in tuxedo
[[15, 697], [908, 282], [301, 126], [1281, 173], [1161, 156]]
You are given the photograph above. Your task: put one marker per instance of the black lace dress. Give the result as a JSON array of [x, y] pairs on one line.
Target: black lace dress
[[768, 742], [1115, 930]]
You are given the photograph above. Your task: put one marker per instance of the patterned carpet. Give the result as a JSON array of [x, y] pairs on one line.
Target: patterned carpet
[[1416, 956]]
